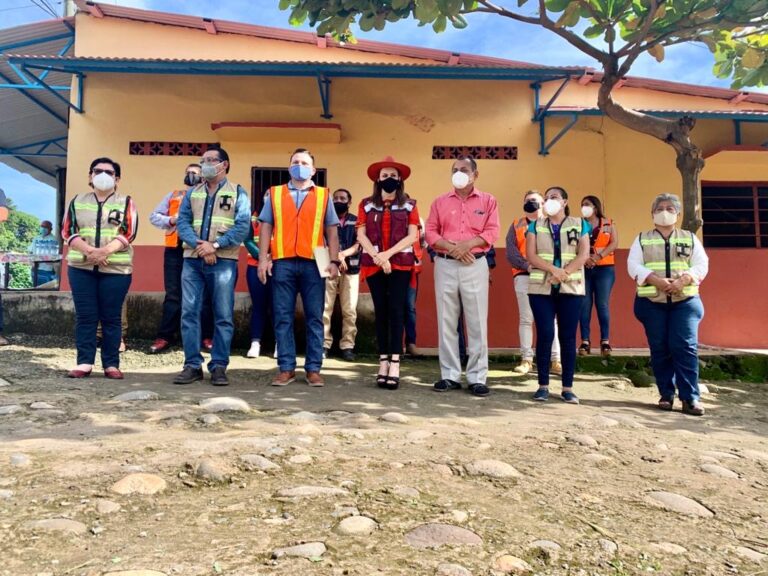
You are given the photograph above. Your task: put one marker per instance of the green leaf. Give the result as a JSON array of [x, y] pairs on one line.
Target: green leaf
[[570, 17], [558, 5], [298, 16], [752, 58], [593, 31], [285, 4], [366, 22], [657, 51], [440, 24], [521, 3]]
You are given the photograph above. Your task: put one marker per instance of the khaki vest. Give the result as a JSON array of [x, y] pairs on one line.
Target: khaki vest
[[222, 217], [654, 248], [98, 225], [545, 248]]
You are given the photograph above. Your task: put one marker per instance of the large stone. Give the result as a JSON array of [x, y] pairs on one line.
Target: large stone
[[680, 504], [356, 526], [213, 469], [310, 492], [667, 548], [10, 409], [209, 419], [107, 506], [41, 406], [492, 469], [507, 564], [452, 570], [56, 525], [146, 484], [749, 554], [300, 459], [137, 396], [395, 418], [718, 470], [608, 546], [583, 440], [225, 404], [309, 550], [433, 535], [257, 462]]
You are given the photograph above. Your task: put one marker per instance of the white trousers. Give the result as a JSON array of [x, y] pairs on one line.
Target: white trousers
[[526, 321]]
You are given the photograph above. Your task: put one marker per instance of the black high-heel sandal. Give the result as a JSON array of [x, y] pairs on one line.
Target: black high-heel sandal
[[381, 379], [393, 382]]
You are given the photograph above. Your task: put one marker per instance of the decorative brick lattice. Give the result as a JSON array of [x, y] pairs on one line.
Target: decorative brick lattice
[[477, 152], [169, 148]]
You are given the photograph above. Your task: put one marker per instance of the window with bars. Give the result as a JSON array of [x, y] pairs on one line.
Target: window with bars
[[263, 178], [735, 214]]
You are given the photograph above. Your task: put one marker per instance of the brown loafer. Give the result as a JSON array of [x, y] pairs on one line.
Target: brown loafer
[[284, 378], [665, 404], [113, 374], [314, 379], [79, 373], [693, 408]]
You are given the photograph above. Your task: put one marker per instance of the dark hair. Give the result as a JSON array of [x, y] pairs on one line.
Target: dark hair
[[193, 165], [105, 160], [223, 156], [302, 151], [597, 204], [466, 158], [563, 194], [400, 196], [347, 192]]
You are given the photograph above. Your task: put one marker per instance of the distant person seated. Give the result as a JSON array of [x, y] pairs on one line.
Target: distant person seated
[[45, 244]]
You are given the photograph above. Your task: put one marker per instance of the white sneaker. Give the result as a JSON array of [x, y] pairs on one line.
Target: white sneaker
[[275, 354], [254, 350]]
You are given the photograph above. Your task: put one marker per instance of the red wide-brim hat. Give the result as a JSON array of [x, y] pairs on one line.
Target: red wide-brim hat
[[388, 162]]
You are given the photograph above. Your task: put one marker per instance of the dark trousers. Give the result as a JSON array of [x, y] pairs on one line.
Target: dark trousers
[[673, 337], [566, 309], [173, 263], [410, 314], [261, 301], [389, 293], [98, 298], [598, 284]]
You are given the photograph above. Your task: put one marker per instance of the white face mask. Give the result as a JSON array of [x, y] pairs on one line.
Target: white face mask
[[460, 180], [664, 218], [552, 207], [587, 211], [103, 182]]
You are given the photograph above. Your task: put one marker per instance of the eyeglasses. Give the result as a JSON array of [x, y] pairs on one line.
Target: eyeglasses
[[97, 171], [210, 160]]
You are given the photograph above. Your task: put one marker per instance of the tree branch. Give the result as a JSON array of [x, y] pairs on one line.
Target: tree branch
[[647, 25]]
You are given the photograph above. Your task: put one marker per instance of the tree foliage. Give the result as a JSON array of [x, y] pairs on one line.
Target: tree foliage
[[16, 234]]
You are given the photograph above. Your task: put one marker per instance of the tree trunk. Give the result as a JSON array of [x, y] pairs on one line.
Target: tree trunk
[[676, 133]]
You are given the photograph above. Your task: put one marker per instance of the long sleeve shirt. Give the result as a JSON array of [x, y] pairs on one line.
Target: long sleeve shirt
[[159, 218], [455, 219], [639, 273], [233, 237], [514, 256]]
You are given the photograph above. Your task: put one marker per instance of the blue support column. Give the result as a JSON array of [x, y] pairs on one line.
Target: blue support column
[[737, 132], [324, 84], [77, 108]]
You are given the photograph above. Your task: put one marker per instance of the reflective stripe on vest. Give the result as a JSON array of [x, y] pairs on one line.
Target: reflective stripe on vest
[[297, 231], [602, 241], [654, 250], [172, 235], [545, 249]]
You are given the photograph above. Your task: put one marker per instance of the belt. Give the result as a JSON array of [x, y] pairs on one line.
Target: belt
[[477, 255]]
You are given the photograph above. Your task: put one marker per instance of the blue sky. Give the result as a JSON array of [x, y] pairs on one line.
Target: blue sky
[[486, 34]]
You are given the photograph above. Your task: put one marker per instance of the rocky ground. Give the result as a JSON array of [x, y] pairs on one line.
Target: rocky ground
[[141, 477]]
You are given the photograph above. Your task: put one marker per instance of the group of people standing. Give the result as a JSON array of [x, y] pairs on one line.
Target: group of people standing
[[563, 265]]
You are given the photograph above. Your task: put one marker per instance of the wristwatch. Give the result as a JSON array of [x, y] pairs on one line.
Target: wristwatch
[[216, 245]]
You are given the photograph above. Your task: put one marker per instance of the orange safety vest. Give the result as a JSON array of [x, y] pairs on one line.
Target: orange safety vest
[[521, 230], [603, 238], [297, 231], [172, 236], [255, 225]]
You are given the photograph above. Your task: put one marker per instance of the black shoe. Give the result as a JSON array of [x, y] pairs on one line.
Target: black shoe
[[479, 390], [189, 375], [392, 382], [219, 376], [445, 385], [348, 355]]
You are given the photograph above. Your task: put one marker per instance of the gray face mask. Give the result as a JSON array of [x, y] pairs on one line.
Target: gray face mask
[[210, 171]]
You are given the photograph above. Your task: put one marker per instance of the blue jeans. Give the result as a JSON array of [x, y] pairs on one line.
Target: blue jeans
[[598, 282], [220, 280], [261, 301], [98, 297], [673, 337], [410, 313], [44, 276], [566, 308], [290, 277]]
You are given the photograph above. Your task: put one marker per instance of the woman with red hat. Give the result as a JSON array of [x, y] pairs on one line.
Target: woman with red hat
[[388, 227]]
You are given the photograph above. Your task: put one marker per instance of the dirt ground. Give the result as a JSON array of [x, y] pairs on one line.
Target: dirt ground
[[582, 477]]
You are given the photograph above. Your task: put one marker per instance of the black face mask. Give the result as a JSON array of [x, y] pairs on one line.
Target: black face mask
[[191, 179], [341, 208], [531, 206], [389, 185]]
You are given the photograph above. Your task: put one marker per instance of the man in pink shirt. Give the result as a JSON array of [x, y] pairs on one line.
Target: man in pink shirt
[[463, 225]]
